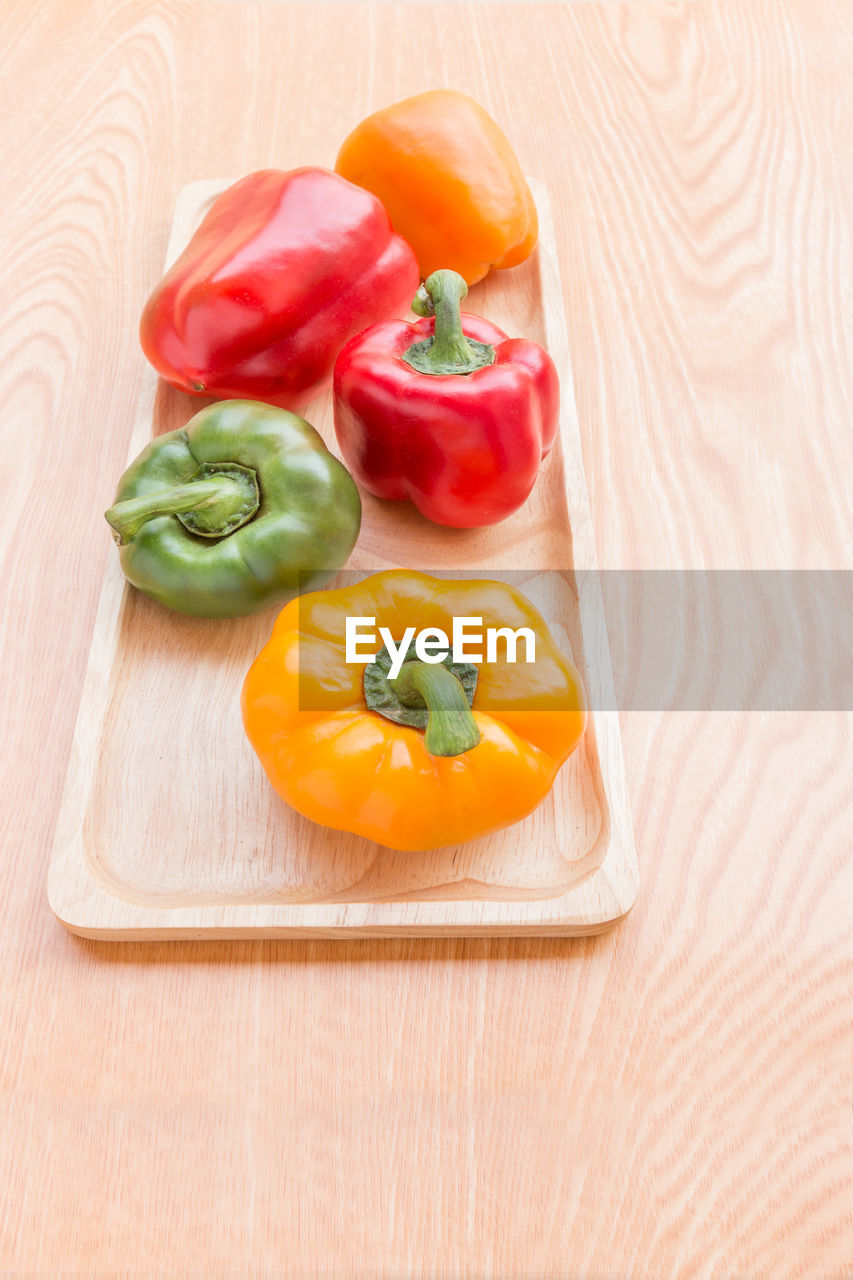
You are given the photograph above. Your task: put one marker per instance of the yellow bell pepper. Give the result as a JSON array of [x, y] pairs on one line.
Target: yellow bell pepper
[[450, 181], [413, 754]]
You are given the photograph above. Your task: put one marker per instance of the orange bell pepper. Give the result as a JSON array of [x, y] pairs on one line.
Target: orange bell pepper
[[441, 753], [450, 181]]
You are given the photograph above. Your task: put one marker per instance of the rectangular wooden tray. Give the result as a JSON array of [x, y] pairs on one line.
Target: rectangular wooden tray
[[168, 827]]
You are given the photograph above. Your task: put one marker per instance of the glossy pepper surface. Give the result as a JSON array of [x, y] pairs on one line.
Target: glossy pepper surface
[[235, 512], [450, 180], [284, 269], [448, 412], [441, 754]]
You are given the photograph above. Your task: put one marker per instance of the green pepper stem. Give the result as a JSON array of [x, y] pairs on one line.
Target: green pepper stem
[[220, 495], [451, 728], [448, 351]]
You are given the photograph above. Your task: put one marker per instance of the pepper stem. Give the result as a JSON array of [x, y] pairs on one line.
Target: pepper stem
[[448, 351], [222, 499], [451, 728]]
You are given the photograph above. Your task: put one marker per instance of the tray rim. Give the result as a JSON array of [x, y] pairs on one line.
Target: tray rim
[[591, 906]]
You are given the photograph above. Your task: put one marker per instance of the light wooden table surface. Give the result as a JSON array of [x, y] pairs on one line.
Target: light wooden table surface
[[672, 1099]]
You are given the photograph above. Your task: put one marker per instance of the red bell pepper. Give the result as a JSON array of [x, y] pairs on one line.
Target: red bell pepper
[[283, 270], [448, 412]]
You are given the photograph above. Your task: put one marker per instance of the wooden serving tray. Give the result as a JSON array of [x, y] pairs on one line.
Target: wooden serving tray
[[168, 827]]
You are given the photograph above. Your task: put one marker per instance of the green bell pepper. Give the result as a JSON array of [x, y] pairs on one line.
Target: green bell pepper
[[241, 509]]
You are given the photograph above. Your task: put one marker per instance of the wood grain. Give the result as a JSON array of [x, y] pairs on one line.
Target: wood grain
[[673, 1099]]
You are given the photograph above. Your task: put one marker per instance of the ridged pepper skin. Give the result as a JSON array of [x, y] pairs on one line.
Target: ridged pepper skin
[[284, 269], [341, 764], [236, 512], [450, 181], [465, 448]]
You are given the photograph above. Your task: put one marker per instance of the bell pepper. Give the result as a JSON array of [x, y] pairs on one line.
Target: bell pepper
[[282, 271], [443, 752], [448, 413], [235, 512], [450, 181]]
